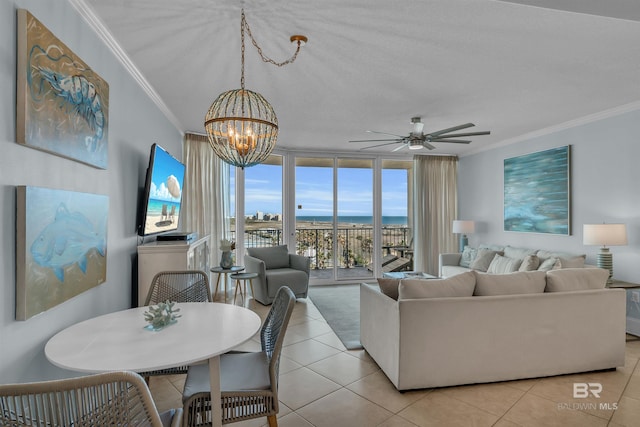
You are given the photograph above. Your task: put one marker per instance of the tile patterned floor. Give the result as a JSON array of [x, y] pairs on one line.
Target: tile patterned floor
[[323, 384]]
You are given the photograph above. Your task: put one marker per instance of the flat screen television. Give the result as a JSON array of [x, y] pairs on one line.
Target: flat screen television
[[160, 209]]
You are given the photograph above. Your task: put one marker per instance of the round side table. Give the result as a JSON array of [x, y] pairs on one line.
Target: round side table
[[244, 277], [224, 272]]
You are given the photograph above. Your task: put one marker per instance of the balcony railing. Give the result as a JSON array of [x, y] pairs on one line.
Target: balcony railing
[[354, 244]]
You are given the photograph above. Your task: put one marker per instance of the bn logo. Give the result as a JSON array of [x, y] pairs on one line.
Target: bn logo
[[583, 390]]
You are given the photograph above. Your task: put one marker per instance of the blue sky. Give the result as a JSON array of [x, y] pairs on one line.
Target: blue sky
[[314, 191], [164, 166]]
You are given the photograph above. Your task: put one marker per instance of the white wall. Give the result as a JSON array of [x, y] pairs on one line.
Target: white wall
[[135, 124], [605, 177]]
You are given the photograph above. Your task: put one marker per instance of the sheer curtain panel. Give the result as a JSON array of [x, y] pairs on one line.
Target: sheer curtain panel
[[435, 208], [206, 193]]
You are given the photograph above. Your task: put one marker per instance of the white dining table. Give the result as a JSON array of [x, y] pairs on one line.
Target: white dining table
[[118, 341]]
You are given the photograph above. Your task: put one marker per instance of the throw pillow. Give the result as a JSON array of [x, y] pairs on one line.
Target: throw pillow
[[460, 285], [273, 257], [576, 279], [389, 287], [550, 264], [502, 264], [468, 255], [530, 263], [519, 253], [523, 282], [572, 262], [483, 259]]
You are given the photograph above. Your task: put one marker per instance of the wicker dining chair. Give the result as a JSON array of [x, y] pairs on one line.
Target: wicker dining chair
[[248, 381], [110, 399], [177, 286]]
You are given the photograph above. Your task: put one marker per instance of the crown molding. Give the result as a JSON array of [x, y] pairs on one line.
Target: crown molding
[[591, 118], [88, 14]]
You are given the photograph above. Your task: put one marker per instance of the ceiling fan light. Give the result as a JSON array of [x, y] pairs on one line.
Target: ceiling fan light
[[415, 145], [417, 128]]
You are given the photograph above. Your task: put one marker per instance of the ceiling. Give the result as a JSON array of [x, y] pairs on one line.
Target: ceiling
[[516, 68]]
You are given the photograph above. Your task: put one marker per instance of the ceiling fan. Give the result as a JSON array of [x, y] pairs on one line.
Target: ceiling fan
[[418, 139]]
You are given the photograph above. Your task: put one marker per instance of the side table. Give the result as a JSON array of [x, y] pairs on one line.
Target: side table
[[244, 277], [633, 313], [224, 272]]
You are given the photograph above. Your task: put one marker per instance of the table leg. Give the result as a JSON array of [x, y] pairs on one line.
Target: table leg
[[216, 401], [217, 284]]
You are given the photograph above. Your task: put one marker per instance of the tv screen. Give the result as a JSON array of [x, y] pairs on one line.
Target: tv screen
[[162, 193]]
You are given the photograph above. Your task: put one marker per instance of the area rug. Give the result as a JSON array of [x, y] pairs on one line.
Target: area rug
[[340, 306]]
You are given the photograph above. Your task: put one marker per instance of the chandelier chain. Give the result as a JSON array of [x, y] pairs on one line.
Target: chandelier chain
[[245, 27]]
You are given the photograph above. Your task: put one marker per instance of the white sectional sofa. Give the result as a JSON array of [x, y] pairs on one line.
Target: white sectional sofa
[[506, 259], [505, 327]]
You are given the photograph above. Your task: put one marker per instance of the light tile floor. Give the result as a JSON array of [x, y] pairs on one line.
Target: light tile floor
[[323, 384]]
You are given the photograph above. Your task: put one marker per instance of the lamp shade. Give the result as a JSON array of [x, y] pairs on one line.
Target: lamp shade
[[604, 234], [464, 227]]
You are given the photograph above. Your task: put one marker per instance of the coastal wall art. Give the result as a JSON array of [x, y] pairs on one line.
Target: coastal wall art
[[61, 246], [537, 189], [62, 104]]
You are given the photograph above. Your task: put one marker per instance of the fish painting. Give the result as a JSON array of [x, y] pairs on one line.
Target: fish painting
[[61, 246], [66, 241]]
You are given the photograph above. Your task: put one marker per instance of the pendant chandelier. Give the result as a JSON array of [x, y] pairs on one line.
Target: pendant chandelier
[[241, 125]]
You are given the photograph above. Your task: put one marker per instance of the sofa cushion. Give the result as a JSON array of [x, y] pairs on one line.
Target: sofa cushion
[[522, 282], [518, 253], [389, 287], [549, 264], [576, 279], [460, 285], [530, 263], [502, 264], [484, 258], [452, 270], [273, 256], [468, 255]]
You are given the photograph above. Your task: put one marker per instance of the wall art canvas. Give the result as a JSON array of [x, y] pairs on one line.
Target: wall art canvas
[[61, 246], [62, 104], [537, 190]]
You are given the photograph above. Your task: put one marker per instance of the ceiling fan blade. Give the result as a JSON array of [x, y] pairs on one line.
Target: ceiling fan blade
[[384, 133], [375, 140], [398, 148], [451, 129], [379, 145], [428, 146], [455, 141], [454, 135]]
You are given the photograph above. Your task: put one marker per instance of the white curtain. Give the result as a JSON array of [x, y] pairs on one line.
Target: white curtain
[[206, 193], [435, 208]]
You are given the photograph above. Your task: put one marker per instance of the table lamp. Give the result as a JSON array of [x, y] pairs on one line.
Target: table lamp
[[605, 235], [463, 228]]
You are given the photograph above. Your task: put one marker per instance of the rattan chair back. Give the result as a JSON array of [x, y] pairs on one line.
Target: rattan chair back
[[179, 286], [108, 399]]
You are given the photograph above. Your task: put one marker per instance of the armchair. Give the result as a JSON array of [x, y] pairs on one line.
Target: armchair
[[276, 267]]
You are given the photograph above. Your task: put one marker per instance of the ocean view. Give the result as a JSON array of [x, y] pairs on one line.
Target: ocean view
[[386, 220]]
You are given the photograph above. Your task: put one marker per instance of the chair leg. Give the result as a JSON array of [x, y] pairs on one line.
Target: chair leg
[[273, 421]]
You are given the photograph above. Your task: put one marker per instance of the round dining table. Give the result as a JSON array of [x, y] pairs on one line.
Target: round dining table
[[119, 341]]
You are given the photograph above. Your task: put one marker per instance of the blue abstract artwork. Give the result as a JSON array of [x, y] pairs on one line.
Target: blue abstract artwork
[[537, 192], [62, 104], [61, 246]]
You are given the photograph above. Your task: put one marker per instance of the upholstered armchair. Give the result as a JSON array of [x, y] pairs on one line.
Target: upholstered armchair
[[276, 267]]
